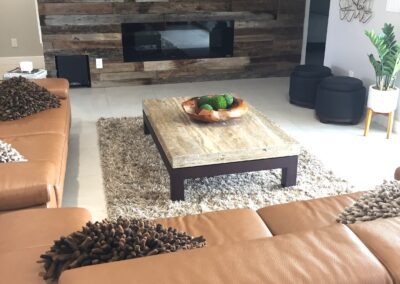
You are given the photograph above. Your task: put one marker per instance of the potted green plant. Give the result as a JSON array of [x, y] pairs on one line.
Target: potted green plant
[[383, 95]]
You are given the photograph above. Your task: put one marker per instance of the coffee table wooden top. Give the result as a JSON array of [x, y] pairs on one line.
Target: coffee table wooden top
[[187, 143]]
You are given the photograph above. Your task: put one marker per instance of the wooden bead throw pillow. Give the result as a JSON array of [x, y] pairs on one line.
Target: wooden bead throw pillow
[[20, 97], [108, 241], [384, 202]]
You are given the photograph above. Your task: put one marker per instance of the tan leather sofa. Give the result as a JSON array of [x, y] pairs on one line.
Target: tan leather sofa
[[397, 174], [299, 242], [43, 139]]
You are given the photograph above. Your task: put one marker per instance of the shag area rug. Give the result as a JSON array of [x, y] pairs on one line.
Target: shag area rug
[[136, 181]]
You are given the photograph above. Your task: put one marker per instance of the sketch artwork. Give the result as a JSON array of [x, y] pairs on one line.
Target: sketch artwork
[[355, 9]]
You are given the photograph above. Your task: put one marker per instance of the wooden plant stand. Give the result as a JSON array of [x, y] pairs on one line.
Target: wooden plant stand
[[368, 119]]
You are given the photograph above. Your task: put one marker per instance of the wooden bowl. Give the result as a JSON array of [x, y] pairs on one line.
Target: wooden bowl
[[237, 110]]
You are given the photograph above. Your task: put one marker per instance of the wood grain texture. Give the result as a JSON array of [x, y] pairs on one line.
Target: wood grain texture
[[268, 35], [188, 143], [197, 64], [72, 8]]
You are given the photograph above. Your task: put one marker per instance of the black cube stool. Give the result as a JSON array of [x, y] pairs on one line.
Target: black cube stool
[[340, 100], [304, 82]]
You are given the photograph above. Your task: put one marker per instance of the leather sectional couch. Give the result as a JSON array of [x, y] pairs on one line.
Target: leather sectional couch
[[298, 242], [43, 139]]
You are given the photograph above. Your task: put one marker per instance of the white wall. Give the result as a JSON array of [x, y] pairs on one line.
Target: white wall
[[19, 19], [347, 46]]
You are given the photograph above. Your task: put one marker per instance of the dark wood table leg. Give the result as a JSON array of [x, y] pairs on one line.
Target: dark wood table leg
[[177, 184], [145, 127], [289, 173], [177, 176]]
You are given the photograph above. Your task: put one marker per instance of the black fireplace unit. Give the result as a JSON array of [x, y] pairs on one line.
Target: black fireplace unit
[[177, 40], [74, 68]]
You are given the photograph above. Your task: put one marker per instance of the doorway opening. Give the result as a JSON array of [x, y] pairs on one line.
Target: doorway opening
[[317, 30]]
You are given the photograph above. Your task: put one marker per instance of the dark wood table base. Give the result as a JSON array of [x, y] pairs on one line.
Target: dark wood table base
[[177, 176]]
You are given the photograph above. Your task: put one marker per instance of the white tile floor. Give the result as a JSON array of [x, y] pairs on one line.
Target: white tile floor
[[365, 162]]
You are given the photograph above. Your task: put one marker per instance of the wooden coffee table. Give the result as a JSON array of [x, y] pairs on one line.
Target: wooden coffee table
[[192, 149]]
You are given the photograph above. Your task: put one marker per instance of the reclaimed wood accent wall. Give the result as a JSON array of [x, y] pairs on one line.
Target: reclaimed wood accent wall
[[268, 38]]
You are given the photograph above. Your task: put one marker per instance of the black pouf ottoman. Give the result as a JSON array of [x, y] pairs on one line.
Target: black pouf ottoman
[[304, 82], [340, 100]]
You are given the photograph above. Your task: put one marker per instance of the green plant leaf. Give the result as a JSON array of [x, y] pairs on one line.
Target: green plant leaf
[[376, 64], [388, 65]]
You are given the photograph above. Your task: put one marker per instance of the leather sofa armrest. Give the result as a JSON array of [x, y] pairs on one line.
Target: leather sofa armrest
[[397, 174], [25, 184], [56, 86]]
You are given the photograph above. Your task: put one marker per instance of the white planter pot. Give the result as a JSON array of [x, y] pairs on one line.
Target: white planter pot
[[382, 101]]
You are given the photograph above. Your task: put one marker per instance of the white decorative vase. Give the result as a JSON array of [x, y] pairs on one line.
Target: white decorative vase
[[382, 101]]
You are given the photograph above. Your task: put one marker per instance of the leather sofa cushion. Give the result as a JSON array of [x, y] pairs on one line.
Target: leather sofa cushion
[[54, 120], [20, 267], [41, 147], [29, 233], [330, 255], [38, 227], [221, 227], [305, 215], [26, 184], [56, 86], [382, 237]]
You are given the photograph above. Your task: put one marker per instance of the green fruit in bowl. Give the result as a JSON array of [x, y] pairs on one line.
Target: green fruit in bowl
[[203, 100], [206, 107], [229, 99], [218, 102]]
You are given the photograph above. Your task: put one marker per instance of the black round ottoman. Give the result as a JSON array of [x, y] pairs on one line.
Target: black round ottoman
[[340, 100], [304, 82]]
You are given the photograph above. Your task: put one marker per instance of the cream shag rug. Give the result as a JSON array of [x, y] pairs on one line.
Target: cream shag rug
[[137, 183]]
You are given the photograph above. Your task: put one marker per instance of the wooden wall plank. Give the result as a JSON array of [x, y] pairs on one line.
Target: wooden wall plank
[[73, 8], [80, 29], [115, 19], [125, 76], [120, 83], [118, 67], [255, 5], [83, 37], [195, 64], [79, 2], [63, 45], [155, 8]]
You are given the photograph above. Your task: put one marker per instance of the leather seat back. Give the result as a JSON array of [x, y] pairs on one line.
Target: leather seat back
[[306, 215], [221, 227], [329, 255]]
